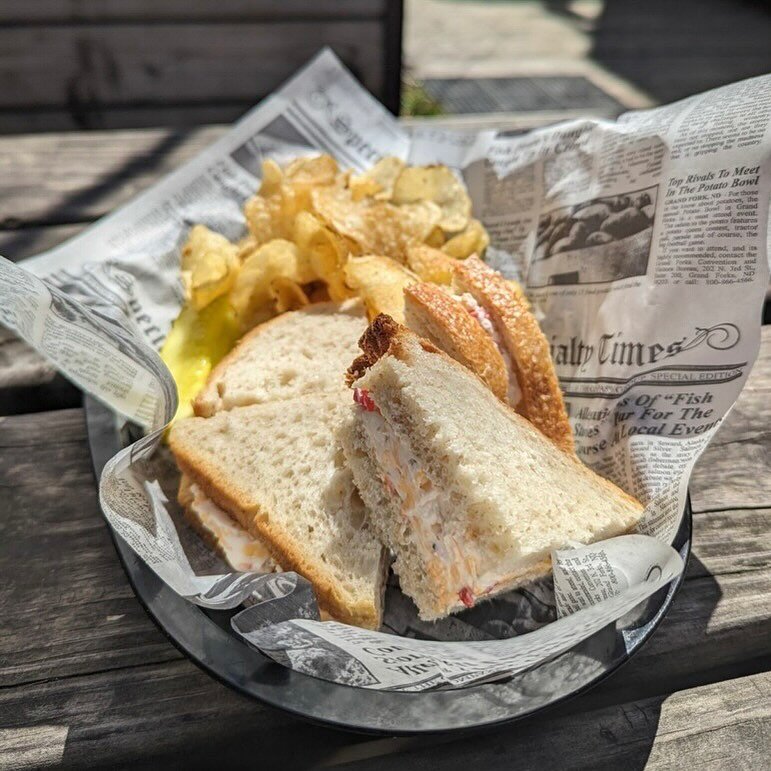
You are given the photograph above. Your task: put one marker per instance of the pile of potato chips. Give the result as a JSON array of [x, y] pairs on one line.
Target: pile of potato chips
[[317, 233]]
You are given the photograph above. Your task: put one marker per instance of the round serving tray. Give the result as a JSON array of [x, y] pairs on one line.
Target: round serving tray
[[206, 638]]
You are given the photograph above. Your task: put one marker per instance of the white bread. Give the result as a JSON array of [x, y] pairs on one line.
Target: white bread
[[279, 470], [540, 398], [486, 497], [296, 353]]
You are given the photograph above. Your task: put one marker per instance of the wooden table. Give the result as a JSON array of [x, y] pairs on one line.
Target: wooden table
[[87, 679]]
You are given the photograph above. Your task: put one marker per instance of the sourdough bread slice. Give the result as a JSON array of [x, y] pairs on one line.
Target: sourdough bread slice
[[433, 313], [279, 470], [517, 328], [296, 353], [469, 496]]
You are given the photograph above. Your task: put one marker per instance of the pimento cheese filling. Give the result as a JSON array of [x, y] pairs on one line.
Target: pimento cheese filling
[[483, 317], [240, 550]]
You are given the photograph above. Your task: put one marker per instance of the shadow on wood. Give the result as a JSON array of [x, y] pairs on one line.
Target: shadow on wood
[[675, 49], [94, 64]]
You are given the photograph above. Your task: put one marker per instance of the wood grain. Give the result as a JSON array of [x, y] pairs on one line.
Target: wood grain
[[27, 242], [52, 11], [66, 604], [723, 609], [71, 178], [726, 725], [99, 65]]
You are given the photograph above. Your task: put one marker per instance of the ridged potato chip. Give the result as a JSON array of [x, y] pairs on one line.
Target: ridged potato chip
[[376, 227], [430, 264], [287, 295], [209, 265], [437, 184], [473, 240], [251, 294], [380, 282], [377, 182]]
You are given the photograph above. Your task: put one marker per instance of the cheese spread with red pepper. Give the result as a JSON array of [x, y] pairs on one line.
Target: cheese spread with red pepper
[[483, 317]]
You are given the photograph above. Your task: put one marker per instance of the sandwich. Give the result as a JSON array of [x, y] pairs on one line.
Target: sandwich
[[488, 327], [295, 353], [466, 493], [264, 477]]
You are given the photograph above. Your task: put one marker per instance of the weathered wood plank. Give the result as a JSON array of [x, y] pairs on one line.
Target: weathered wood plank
[[65, 602], [147, 715], [66, 178], [726, 725], [179, 116], [102, 64], [150, 715], [52, 11], [723, 610]]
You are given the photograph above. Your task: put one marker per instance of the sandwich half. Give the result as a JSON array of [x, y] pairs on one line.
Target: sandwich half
[[296, 353], [486, 305], [467, 494], [263, 479], [279, 471]]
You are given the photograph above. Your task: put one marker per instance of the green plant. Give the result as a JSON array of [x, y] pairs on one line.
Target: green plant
[[417, 101]]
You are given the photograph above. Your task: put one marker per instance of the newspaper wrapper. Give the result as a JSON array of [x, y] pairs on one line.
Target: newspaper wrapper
[[653, 328]]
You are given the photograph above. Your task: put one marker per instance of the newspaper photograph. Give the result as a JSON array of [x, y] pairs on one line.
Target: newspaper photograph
[[641, 245]]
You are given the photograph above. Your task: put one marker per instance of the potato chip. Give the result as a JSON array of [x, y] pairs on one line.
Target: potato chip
[[419, 219], [264, 218], [430, 264], [317, 292], [473, 240], [436, 238], [380, 282], [325, 252], [287, 294], [284, 194], [196, 342], [377, 182], [313, 171], [251, 293], [208, 264], [376, 227], [272, 177], [437, 184]]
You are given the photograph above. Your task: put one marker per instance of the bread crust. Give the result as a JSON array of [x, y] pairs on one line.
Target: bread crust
[[437, 315], [381, 337], [542, 403], [258, 521]]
